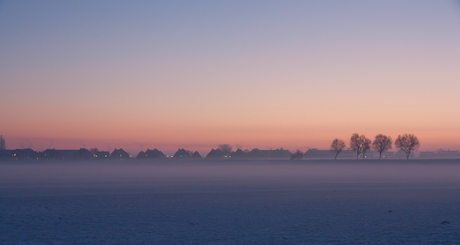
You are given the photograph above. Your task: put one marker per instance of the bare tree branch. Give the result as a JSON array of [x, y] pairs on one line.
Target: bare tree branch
[[381, 144], [360, 144], [337, 146], [408, 143]]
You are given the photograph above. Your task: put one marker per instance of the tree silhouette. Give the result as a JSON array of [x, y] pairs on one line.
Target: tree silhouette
[[381, 144], [407, 143], [225, 148], [366, 144], [355, 144], [337, 146], [2, 143], [297, 155], [360, 144]]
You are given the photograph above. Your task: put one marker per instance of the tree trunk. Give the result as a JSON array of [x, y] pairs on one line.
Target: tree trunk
[[380, 156], [336, 154]]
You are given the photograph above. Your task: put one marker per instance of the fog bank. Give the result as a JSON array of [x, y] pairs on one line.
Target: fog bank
[[221, 175]]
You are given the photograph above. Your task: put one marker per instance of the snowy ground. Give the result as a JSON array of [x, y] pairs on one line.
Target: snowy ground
[[227, 202]]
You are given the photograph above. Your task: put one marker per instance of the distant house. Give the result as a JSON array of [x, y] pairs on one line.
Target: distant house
[[387, 155], [99, 155], [314, 153], [150, 154], [238, 154], [347, 154], [66, 154], [50, 154], [428, 155], [402, 155], [140, 155], [280, 154], [215, 154], [9, 155], [27, 154], [443, 154], [440, 154], [370, 155], [182, 153], [196, 154], [53, 154], [259, 154], [119, 154], [83, 154]]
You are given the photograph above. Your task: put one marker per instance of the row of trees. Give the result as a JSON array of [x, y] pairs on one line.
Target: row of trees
[[359, 143]]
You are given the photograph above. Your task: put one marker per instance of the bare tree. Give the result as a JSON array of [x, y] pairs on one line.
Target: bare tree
[[381, 144], [297, 155], [360, 144], [337, 146], [366, 144], [2, 143], [355, 144], [225, 148], [408, 143]]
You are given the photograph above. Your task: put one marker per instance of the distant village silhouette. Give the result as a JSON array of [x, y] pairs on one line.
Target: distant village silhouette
[[225, 151]]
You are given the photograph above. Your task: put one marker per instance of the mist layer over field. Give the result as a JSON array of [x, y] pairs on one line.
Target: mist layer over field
[[230, 202], [215, 175]]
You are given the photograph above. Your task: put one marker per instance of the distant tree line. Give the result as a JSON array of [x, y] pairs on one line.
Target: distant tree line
[[408, 143], [222, 152]]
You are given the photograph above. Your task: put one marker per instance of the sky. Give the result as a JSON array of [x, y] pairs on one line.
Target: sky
[[252, 74]]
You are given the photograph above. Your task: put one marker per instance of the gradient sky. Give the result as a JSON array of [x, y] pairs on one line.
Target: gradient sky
[[195, 74]]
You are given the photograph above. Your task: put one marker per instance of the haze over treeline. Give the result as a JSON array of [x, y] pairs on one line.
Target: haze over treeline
[[359, 146], [209, 176], [407, 143]]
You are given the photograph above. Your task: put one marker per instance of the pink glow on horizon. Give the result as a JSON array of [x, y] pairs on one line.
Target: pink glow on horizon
[[283, 74]]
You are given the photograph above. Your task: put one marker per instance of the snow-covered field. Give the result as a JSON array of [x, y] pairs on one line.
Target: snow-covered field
[[225, 202]]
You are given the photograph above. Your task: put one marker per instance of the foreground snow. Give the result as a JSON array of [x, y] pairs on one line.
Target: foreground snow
[[230, 203]]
